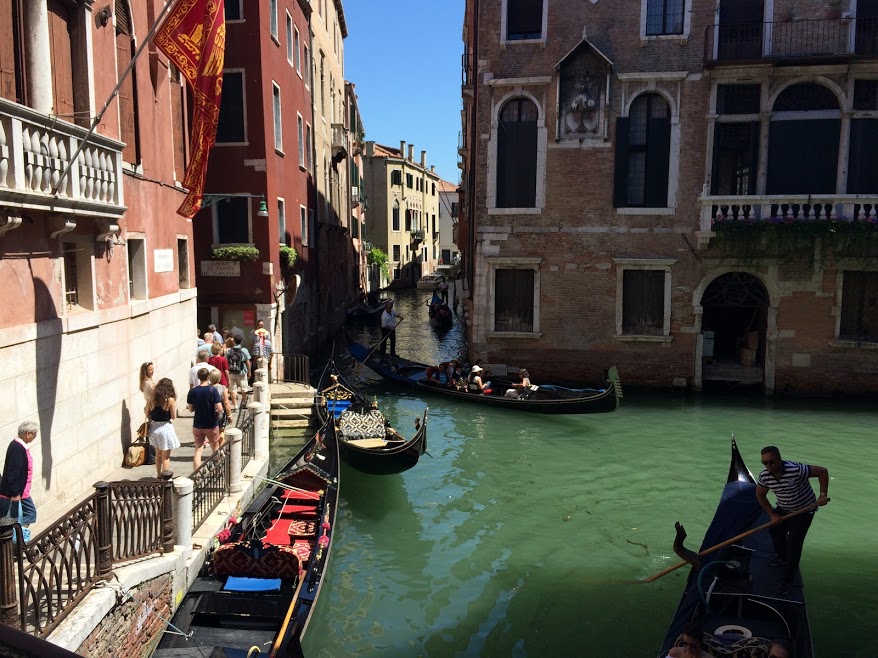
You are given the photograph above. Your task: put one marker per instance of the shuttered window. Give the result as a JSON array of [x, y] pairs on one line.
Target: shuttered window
[[517, 154], [11, 52], [863, 163], [859, 307], [178, 123], [61, 45], [231, 118], [128, 91], [233, 221], [395, 216], [524, 19], [514, 300], [643, 302], [643, 154]]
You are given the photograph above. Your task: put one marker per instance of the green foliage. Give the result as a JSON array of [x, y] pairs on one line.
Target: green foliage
[[289, 255], [236, 253], [379, 258]]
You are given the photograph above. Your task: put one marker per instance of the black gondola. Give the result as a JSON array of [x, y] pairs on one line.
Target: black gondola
[[441, 316], [259, 588], [546, 399], [732, 593], [366, 441]]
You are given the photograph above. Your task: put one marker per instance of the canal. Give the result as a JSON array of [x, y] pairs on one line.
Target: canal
[[519, 535]]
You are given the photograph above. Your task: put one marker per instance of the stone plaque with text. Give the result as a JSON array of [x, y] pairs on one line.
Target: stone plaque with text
[[220, 268]]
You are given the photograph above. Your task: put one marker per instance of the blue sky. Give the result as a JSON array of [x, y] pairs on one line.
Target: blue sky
[[404, 58]]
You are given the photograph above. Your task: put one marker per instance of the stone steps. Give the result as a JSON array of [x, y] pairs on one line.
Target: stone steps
[[292, 412]]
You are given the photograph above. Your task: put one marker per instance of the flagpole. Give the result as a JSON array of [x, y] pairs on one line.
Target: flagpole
[[114, 93]]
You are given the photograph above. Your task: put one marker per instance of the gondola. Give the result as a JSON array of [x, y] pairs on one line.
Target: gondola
[[732, 594], [441, 316], [366, 441], [260, 585], [546, 399], [366, 311]]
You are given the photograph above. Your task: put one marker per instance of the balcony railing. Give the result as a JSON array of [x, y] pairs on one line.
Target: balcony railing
[[417, 235], [826, 39], [35, 149], [339, 142], [466, 68]]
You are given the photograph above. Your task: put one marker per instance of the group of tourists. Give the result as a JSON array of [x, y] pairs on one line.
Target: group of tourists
[[451, 374]]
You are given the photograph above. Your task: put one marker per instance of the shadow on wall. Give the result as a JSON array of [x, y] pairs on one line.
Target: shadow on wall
[[125, 429], [48, 357]]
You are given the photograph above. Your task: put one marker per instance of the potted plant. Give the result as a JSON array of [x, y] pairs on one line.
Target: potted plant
[[288, 256], [236, 253]]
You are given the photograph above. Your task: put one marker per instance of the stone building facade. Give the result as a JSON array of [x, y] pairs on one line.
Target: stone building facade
[[684, 188], [449, 211], [96, 264]]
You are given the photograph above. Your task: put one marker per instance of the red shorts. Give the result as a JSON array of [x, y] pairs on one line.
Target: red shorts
[[201, 436]]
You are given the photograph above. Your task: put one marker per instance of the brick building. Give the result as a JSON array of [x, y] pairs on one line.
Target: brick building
[[685, 188], [95, 261]]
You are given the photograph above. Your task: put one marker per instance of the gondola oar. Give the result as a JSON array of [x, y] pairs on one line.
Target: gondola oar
[[728, 542], [360, 364]]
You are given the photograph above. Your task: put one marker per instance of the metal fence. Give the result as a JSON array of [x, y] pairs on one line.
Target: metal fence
[[298, 368], [212, 481]]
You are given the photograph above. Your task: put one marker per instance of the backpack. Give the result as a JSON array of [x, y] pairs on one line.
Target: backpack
[[235, 357]]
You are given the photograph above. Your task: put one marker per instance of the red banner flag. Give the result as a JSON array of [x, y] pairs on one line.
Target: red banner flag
[[194, 39]]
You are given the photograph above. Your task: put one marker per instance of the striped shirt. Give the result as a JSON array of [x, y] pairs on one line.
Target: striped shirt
[[793, 490]]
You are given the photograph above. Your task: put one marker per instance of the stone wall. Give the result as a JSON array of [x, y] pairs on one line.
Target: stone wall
[[133, 628]]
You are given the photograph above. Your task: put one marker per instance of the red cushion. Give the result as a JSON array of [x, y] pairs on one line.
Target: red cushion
[[301, 495], [298, 509], [487, 391]]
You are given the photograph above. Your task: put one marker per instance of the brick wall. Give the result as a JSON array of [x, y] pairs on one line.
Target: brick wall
[[132, 629]]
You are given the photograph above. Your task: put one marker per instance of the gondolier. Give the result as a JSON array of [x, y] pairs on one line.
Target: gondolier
[[389, 320], [789, 482]]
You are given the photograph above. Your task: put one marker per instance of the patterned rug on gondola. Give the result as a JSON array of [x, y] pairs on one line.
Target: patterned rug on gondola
[[354, 425]]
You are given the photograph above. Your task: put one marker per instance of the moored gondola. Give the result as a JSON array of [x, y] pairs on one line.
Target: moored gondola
[[260, 586], [731, 594], [366, 440], [542, 398]]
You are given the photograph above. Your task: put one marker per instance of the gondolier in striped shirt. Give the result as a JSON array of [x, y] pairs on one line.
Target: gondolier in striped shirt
[[790, 483]]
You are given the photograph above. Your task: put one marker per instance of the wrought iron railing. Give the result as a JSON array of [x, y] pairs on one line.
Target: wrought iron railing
[[298, 367], [138, 520], [211, 481], [248, 437], [466, 67], [819, 39]]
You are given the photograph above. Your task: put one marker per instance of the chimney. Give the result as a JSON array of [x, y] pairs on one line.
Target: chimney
[[370, 149], [401, 148], [432, 169], [411, 152], [424, 159]]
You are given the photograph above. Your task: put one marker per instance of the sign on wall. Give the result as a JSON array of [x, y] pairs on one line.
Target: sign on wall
[[163, 260], [220, 268]]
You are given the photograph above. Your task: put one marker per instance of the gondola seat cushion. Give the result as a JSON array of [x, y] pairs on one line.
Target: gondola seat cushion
[[369, 425], [301, 528], [256, 560], [750, 647]]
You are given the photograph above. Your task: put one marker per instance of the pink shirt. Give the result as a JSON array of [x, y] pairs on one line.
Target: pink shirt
[[30, 468]]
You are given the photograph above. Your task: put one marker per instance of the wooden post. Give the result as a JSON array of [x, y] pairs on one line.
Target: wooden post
[[167, 512], [104, 533], [9, 614]]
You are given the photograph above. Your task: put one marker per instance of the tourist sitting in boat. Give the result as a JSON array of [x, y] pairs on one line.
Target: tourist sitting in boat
[[780, 649], [522, 387], [450, 370], [474, 383], [690, 644]]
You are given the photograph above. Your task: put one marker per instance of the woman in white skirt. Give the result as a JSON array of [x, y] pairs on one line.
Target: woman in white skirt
[[161, 410]]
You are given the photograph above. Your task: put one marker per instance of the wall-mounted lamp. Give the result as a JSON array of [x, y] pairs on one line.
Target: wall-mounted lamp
[[213, 199], [104, 16]]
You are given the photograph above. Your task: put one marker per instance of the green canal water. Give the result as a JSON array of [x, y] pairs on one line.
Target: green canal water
[[519, 535]]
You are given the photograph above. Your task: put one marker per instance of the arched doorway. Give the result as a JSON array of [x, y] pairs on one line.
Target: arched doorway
[[734, 320]]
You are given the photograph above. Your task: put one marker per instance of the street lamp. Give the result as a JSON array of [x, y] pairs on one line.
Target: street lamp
[[213, 199]]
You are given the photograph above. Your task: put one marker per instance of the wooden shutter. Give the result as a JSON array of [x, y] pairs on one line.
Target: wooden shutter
[[178, 122], [231, 118], [620, 177], [859, 306], [60, 42], [862, 161], [514, 300], [658, 158], [643, 302], [127, 119], [517, 155], [11, 52]]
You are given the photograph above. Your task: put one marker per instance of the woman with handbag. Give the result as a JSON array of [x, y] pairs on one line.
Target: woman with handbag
[[161, 410]]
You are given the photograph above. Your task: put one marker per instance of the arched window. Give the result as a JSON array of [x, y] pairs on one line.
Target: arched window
[[517, 154], [803, 141], [127, 92], [643, 151], [395, 216]]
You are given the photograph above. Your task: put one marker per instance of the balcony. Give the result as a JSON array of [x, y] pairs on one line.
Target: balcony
[[339, 143], [36, 149], [466, 70], [417, 237], [787, 208], [792, 42]]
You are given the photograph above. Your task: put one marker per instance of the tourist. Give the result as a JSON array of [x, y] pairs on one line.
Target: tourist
[[691, 643], [474, 383], [161, 411], [390, 320], [522, 387], [238, 357], [217, 338], [219, 362], [18, 473], [226, 418], [780, 649], [789, 482], [147, 385], [205, 402], [193, 371]]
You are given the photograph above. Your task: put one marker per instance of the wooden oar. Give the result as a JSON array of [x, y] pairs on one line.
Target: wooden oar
[[728, 542], [360, 364]]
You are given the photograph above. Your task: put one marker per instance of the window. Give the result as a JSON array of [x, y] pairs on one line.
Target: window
[[297, 46], [233, 10], [736, 142], [71, 293], [231, 128], [409, 181], [309, 145], [303, 224], [664, 17], [128, 128], [306, 63], [859, 307], [524, 19], [12, 79], [183, 262], [136, 268], [454, 209], [272, 17], [514, 300], [290, 45], [395, 225], [311, 226], [322, 84], [866, 95], [862, 163], [278, 128], [737, 99], [396, 177], [232, 221], [282, 223], [396, 253], [434, 189], [517, 154], [68, 52], [300, 135], [643, 293], [178, 122], [408, 220], [643, 148]]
